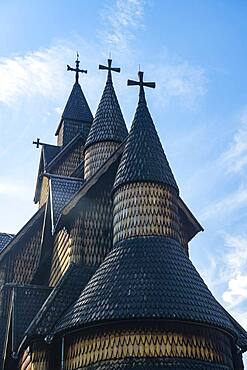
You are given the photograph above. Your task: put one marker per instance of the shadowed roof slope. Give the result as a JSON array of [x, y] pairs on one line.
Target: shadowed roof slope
[[77, 108], [155, 363], [27, 300], [62, 296], [108, 124], [143, 157], [146, 278], [62, 190]]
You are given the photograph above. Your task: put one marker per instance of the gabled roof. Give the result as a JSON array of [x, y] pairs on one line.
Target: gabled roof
[[28, 227], [77, 108], [61, 153], [61, 191], [146, 278], [5, 239], [108, 124], [49, 153], [27, 300], [62, 296], [143, 158], [65, 150]]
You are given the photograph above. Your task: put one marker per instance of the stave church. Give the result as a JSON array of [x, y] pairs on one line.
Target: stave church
[[100, 277]]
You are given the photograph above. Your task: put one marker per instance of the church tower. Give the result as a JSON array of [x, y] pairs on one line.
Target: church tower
[[100, 278], [108, 129], [146, 307], [76, 116]]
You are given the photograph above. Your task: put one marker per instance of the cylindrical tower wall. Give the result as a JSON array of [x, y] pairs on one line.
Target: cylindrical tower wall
[[145, 209], [96, 155], [141, 347]]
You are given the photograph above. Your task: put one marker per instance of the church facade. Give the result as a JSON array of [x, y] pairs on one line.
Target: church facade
[[100, 276]]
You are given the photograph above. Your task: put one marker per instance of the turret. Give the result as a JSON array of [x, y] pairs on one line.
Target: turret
[[145, 190], [147, 307], [108, 129], [77, 116]]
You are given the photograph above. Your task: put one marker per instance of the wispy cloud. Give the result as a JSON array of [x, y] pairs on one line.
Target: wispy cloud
[[179, 80], [35, 73], [121, 20], [42, 73], [234, 269], [10, 189], [230, 203], [236, 292], [235, 158]]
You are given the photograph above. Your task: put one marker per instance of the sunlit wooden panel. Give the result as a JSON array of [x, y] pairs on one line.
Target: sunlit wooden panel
[[206, 345], [96, 155], [145, 209], [61, 256]]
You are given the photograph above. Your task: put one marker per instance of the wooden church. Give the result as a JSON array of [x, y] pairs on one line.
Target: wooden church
[[100, 276]]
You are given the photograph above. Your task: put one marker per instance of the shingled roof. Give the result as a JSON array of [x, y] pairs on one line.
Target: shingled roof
[[156, 363], [143, 157], [62, 296], [27, 300], [49, 153], [108, 124], [5, 239], [77, 107], [62, 190], [146, 278]]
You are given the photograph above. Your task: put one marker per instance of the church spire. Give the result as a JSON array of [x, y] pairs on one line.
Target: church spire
[[147, 284], [77, 116], [143, 157], [108, 129]]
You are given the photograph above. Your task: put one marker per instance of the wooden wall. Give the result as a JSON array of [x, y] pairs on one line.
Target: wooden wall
[[68, 164], [61, 256], [96, 155], [202, 344], [142, 209]]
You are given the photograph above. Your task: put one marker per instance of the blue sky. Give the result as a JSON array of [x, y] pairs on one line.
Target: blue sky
[[196, 53]]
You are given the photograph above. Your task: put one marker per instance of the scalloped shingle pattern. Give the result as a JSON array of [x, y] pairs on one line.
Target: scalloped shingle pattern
[[27, 302], [143, 157], [5, 239], [62, 296], [146, 277], [62, 190], [108, 124], [77, 107]]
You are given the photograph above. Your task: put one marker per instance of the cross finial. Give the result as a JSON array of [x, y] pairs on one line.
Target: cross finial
[[141, 83], [38, 143], [76, 69], [109, 68]]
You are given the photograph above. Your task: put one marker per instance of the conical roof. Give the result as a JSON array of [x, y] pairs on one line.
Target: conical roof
[[146, 278], [77, 107], [143, 158], [108, 124]]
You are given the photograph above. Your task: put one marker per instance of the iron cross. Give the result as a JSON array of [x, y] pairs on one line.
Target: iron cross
[[38, 143], [141, 83], [109, 68], [76, 69]]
